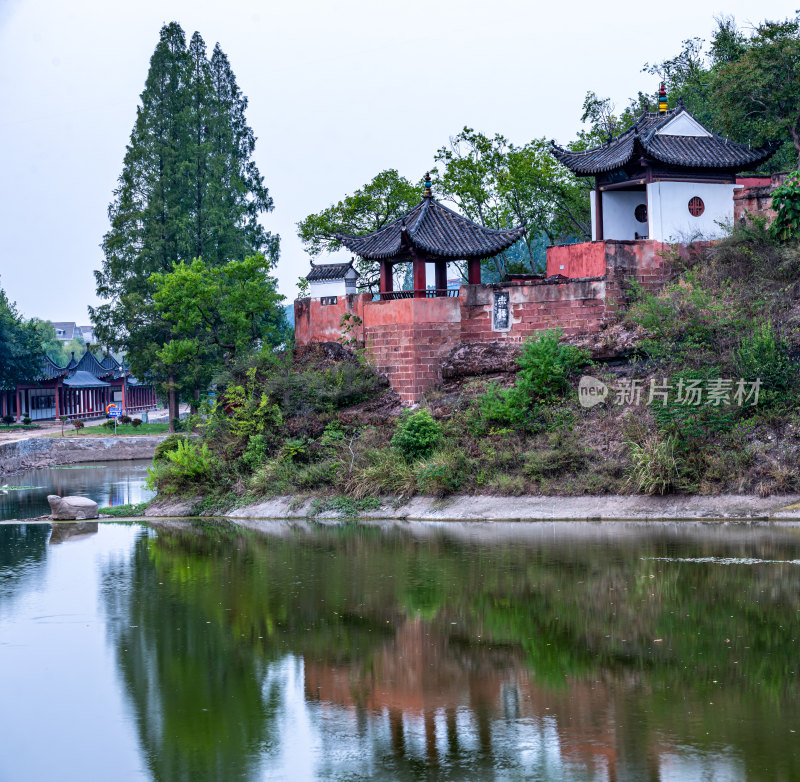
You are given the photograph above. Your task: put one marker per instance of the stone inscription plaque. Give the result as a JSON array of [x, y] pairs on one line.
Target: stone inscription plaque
[[501, 312]]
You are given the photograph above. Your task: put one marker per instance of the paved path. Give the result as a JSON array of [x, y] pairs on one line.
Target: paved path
[[45, 428]]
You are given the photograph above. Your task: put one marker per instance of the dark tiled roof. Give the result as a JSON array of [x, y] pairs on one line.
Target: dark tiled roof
[[109, 362], [436, 231], [329, 271], [689, 151], [88, 363], [84, 379], [50, 370]]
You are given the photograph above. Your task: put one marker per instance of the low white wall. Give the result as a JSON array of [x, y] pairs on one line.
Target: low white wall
[[49, 451], [333, 288], [619, 221], [669, 216]]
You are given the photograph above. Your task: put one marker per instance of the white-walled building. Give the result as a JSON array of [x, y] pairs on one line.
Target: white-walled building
[[666, 178], [331, 279]]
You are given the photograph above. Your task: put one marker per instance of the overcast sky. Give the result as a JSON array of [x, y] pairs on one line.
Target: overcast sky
[[338, 92]]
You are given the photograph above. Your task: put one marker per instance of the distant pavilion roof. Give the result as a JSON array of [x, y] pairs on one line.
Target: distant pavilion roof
[[83, 379], [651, 136], [329, 271], [434, 231]]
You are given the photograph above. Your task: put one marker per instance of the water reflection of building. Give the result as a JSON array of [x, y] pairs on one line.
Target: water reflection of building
[[442, 697]]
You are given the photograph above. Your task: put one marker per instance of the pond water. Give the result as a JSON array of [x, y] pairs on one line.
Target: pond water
[[570, 651], [107, 483]]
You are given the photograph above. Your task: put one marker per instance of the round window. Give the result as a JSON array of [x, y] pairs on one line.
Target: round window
[[696, 206], [640, 213]]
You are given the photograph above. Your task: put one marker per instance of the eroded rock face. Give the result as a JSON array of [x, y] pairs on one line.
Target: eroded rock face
[[480, 358], [71, 508]]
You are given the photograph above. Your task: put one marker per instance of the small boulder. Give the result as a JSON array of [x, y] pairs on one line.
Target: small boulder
[[72, 508]]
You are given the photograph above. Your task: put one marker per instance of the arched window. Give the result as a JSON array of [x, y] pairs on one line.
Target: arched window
[[640, 213], [696, 206]]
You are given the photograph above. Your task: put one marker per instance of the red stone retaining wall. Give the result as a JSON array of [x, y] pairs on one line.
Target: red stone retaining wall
[[408, 339], [317, 322], [754, 198]]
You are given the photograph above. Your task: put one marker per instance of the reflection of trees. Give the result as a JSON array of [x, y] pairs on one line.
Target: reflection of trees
[[195, 684], [436, 649], [23, 550]]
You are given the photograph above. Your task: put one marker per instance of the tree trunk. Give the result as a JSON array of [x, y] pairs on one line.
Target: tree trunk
[[172, 403], [195, 404]]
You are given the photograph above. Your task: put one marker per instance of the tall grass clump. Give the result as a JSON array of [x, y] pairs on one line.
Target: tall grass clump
[[654, 468]]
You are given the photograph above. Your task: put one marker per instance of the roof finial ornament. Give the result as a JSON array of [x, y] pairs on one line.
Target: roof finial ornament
[[428, 192], [662, 98]]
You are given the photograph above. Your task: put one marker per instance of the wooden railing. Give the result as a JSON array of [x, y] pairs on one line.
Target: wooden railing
[[428, 293]]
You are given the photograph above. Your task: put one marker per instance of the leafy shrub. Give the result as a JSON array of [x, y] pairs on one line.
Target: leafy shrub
[[125, 420], [786, 203], [258, 449], [275, 476], [26, 421], [8, 420], [654, 469], [763, 355], [381, 471], [417, 435], [324, 390], [563, 455], [187, 465], [108, 424], [545, 365], [511, 485], [136, 423], [445, 472], [498, 407], [78, 424], [169, 443]]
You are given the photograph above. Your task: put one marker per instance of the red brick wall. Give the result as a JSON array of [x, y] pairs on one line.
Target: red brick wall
[[407, 340], [317, 322], [754, 198], [575, 306], [587, 259]]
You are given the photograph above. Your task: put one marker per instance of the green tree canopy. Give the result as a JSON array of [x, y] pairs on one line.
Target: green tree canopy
[[218, 313], [498, 185], [188, 188], [20, 347], [382, 200], [758, 91]]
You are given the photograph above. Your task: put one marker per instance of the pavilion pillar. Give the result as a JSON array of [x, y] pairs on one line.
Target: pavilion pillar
[[598, 214], [387, 282], [420, 278], [474, 271], [18, 406], [57, 405], [441, 278]]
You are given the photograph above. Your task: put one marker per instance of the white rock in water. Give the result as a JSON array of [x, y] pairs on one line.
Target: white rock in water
[[71, 508]]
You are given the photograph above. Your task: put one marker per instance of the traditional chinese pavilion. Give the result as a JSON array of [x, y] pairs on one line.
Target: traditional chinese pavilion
[[81, 389], [430, 233], [668, 178]]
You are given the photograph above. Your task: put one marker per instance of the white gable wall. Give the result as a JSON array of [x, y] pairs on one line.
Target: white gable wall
[[328, 288], [668, 210], [618, 218], [592, 204], [683, 125]]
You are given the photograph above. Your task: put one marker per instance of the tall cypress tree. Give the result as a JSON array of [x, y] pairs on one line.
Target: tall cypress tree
[[188, 188]]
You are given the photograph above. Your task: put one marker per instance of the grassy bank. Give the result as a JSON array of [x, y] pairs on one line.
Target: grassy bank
[[321, 422], [104, 430]]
